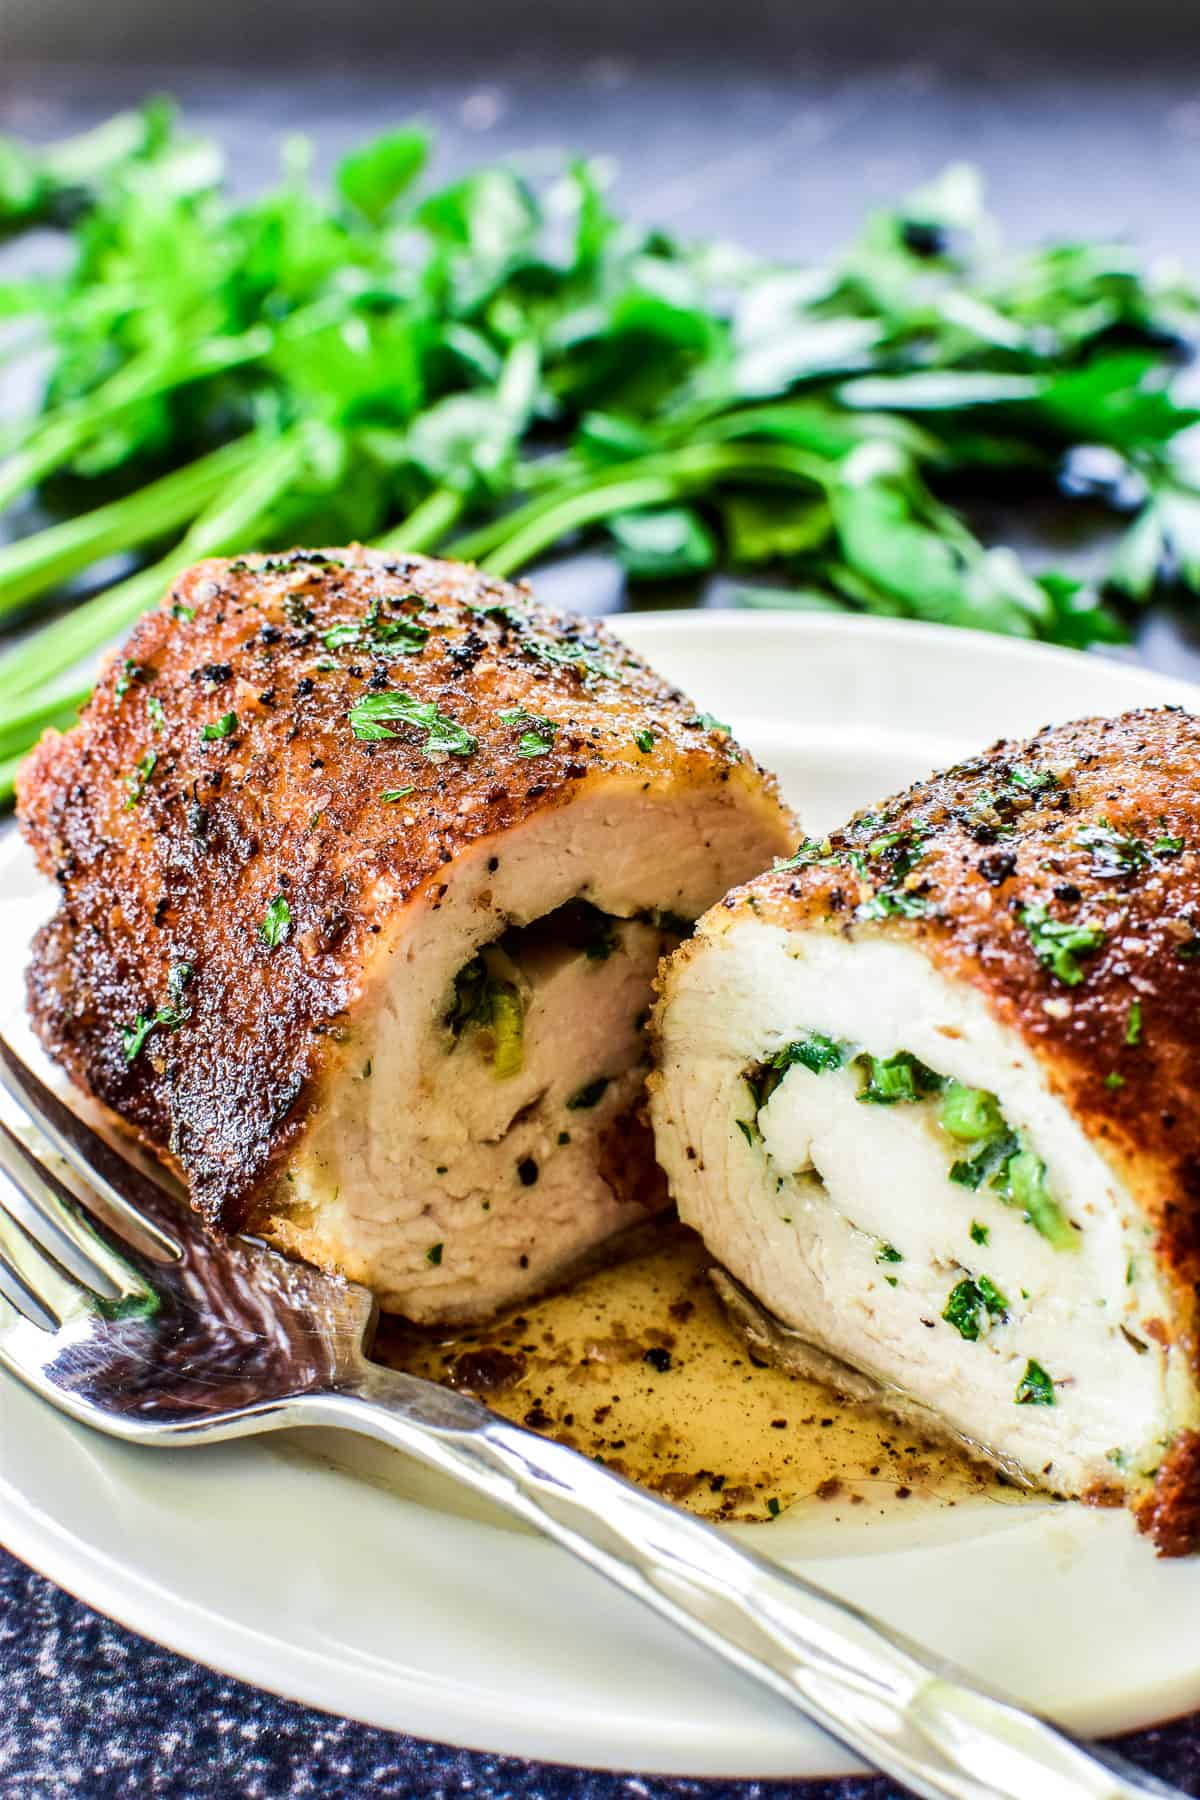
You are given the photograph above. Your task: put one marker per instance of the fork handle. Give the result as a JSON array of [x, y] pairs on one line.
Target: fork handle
[[920, 1721]]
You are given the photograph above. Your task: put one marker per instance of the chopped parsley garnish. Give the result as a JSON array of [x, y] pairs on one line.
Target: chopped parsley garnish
[[1035, 1387], [130, 672], [370, 718], [135, 782], [1133, 1023], [1112, 853], [168, 1018], [276, 923], [158, 717], [434, 1254], [186, 613], [890, 1079], [586, 1097], [219, 728], [979, 1233], [706, 722], [749, 1132], [390, 795], [1167, 845], [889, 904], [539, 739], [585, 659], [1032, 781], [811, 851], [1059, 943], [773, 1507], [888, 1253], [972, 1304], [401, 637], [645, 742], [1114, 1080], [340, 635], [901, 850]]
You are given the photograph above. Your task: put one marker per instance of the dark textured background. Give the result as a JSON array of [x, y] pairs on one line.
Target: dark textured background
[[774, 123]]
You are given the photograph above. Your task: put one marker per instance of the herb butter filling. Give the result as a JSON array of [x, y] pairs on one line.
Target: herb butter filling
[[991, 1155]]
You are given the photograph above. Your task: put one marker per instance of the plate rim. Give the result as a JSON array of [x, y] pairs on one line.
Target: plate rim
[[184, 1627]]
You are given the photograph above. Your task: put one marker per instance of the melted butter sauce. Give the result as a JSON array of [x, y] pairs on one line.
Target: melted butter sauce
[[635, 1364]]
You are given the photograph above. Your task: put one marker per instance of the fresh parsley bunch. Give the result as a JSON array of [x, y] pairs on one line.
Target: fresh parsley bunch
[[492, 369]]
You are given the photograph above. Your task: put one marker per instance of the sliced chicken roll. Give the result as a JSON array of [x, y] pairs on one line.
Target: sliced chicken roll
[[929, 1092], [365, 868]]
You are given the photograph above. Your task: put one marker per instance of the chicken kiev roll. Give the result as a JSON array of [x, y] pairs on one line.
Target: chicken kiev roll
[[929, 1091], [365, 868]]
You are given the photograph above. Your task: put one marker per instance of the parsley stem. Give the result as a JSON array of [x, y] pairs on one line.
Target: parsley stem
[[648, 481], [427, 524], [18, 731], [66, 431], [223, 528], [45, 559]]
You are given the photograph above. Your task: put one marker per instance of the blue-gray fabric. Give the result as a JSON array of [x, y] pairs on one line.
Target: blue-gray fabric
[[88, 1711]]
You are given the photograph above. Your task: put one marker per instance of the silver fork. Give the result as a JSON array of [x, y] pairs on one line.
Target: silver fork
[[125, 1315]]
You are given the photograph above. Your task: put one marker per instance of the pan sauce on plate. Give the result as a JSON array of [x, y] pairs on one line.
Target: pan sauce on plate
[[637, 1365]]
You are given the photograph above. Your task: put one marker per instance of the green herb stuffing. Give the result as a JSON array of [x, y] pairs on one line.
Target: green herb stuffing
[[489, 1001], [816, 1053], [586, 1097], [1035, 1387], [891, 1079], [969, 1113], [888, 1253], [971, 1304]]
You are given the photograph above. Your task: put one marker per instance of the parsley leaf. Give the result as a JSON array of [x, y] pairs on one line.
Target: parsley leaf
[[1059, 943], [1035, 1387], [371, 717], [276, 923]]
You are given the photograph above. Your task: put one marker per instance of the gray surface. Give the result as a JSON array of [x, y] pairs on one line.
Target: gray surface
[[779, 142]]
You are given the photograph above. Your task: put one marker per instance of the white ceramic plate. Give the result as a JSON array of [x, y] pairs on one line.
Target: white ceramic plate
[[356, 1585]]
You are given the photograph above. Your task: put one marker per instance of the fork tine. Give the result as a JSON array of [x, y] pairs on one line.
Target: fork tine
[[104, 1173], [25, 1303], [37, 1203], [27, 1278]]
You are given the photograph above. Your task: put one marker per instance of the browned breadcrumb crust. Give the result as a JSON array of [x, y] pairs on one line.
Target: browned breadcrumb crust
[[1170, 1513], [1000, 834], [171, 848]]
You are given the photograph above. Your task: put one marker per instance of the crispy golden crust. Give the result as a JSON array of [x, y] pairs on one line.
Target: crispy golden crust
[[169, 848], [999, 835]]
